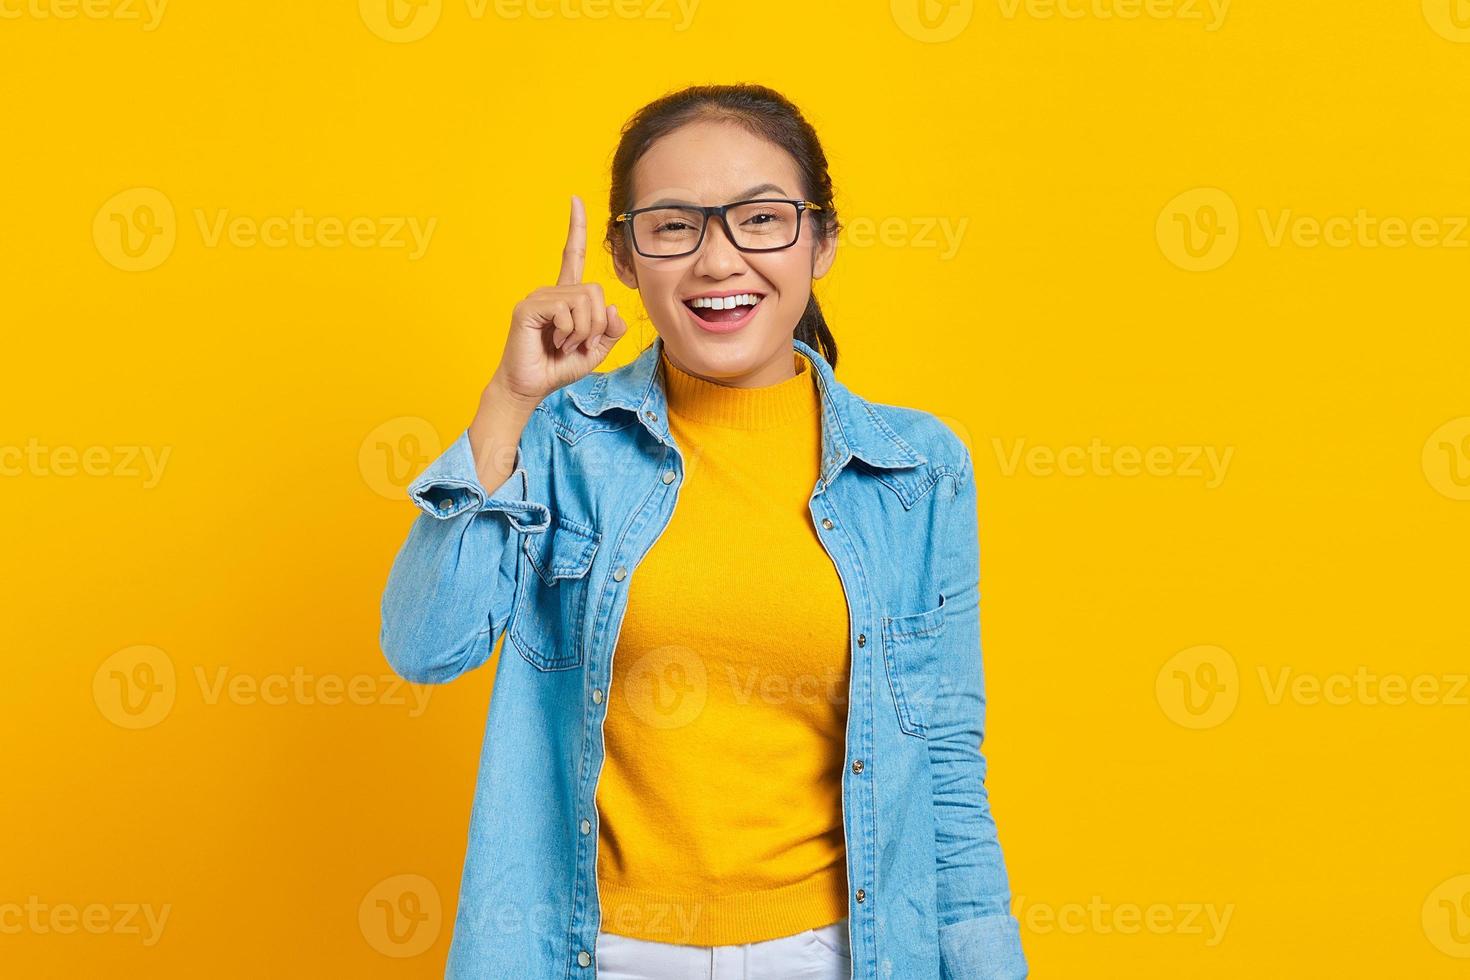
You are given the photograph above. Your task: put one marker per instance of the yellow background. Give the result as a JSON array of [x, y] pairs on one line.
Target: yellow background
[[1068, 154]]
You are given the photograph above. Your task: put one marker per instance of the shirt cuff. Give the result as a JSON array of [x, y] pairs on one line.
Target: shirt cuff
[[450, 486], [987, 947]]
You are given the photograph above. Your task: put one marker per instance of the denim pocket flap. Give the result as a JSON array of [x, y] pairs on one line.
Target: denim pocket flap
[[563, 550]]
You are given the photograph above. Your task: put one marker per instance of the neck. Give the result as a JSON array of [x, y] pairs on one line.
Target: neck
[[764, 406], [780, 368]]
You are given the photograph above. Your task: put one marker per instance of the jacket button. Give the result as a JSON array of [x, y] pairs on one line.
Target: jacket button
[[862, 639], [597, 695], [857, 765], [861, 895], [652, 417], [827, 523], [668, 476], [586, 826], [621, 573], [584, 958]]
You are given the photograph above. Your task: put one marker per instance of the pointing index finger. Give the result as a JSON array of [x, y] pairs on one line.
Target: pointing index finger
[[576, 248]]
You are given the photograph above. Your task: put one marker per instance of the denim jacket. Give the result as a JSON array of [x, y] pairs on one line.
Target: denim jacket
[[546, 559]]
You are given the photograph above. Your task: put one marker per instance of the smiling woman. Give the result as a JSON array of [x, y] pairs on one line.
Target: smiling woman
[[737, 725]]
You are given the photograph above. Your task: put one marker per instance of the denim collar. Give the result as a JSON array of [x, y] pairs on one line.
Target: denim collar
[[851, 426]]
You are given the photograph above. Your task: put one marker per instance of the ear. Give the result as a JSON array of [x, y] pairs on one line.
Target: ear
[[824, 256], [622, 265]]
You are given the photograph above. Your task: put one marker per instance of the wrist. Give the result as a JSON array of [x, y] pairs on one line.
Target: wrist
[[500, 399]]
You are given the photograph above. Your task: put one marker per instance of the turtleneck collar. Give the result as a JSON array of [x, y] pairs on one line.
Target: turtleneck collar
[[764, 407]]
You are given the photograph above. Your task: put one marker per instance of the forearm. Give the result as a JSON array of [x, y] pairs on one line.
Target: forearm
[[495, 431]]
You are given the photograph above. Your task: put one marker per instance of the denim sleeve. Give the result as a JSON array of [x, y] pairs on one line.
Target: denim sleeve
[[452, 584], [979, 938]]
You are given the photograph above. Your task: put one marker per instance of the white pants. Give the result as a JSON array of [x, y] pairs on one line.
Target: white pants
[[816, 954]]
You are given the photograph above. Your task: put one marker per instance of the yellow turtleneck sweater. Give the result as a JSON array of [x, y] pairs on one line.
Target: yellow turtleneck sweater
[[720, 798]]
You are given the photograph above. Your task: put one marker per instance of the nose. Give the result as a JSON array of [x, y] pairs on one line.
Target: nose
[[717, 257]]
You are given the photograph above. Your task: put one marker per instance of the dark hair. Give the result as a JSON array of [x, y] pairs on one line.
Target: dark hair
[[764, 113]]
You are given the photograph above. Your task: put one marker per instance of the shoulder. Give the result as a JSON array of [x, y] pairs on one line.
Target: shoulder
[[927, 433]]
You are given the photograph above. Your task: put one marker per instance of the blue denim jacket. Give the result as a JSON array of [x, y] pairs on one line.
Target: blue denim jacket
[[546, 560]]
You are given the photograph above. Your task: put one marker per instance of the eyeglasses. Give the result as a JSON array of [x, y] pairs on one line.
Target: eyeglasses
[[760, 225]]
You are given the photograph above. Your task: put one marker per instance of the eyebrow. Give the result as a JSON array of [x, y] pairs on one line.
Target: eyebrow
[[746, 194]]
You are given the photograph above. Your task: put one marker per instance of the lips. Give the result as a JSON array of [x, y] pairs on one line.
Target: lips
[[724, 320], [737, 306]]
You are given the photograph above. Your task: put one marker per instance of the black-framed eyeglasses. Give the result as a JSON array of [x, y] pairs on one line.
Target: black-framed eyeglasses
[[667, 231]]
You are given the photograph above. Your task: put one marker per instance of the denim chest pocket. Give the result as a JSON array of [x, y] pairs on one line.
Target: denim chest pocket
[[913, 656], [551, 594]]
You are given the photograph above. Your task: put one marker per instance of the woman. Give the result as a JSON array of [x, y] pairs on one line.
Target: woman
[[759, 757]]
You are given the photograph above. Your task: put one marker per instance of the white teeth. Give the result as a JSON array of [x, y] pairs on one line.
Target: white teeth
[[724, 302]]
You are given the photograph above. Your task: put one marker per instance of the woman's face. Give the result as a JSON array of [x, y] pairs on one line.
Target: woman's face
[[711, 163]]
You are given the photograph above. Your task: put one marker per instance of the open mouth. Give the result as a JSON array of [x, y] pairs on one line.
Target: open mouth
[[724, 309]]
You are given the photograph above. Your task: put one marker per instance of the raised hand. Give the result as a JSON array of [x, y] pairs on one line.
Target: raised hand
[[560, 333]]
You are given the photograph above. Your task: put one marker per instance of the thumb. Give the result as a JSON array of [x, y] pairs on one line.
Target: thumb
[[616, 325]]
